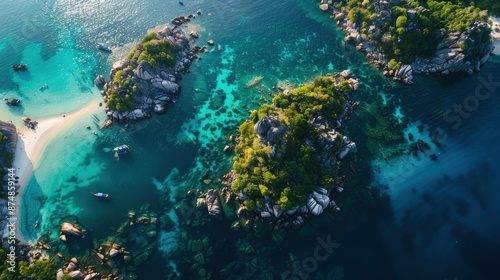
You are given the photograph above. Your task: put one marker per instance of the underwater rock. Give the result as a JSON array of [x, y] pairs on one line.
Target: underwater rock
[[194, 34], [201, 202], [213, 203], [71, 229], [161, 108], [114, 252]]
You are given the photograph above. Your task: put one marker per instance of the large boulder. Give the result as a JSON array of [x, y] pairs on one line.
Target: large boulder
[[262, 126], [161, 108], [114, 252], [314, 207], [320, 199], [73, 230], [164, 85], [213, 202], [273, 132], [99, 81], [345, 150], [145, 71]]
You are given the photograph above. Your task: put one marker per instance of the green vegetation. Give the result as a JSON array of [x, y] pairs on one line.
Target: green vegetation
[[411, 29], [154, 51], [493, 6], [291, 176], [150, 49], [3, 138], [42, 270]]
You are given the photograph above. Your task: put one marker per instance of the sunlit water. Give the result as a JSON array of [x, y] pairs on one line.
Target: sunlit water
[[434, 217]]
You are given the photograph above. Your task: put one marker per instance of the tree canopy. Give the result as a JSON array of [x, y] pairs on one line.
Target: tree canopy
[[288, 178], [412, 28]]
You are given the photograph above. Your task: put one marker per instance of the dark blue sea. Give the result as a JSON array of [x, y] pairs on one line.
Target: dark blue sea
[[429, 219]]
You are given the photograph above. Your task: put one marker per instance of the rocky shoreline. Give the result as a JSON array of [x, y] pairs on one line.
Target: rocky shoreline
[[458, 52], [154, 85]]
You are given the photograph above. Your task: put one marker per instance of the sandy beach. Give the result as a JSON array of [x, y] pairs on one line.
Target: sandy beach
[[32, 143]]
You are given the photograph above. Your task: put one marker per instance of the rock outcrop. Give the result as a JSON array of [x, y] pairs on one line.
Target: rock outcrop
[[213, 203], [153, 87], [458, 51], [69, 229]]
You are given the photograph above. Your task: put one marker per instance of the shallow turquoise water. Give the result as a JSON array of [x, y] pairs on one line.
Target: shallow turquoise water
[[279, 41]]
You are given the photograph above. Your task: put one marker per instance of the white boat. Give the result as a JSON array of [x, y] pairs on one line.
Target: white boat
[[121, 150], [102, 47], [98, 194]]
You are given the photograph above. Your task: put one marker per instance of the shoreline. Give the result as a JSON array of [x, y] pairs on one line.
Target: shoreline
[[32, 143]]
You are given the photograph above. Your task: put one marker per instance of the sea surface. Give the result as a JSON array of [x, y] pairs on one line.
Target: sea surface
[[432, 219]]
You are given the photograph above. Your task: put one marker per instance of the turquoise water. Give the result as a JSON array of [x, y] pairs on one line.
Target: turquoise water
[[431, 214]]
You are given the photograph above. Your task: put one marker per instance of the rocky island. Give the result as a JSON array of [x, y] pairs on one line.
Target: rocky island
[[147, 80], [287, 154], [406, 37]]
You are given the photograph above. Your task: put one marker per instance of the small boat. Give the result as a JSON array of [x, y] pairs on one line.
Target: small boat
[[121, 150], [102, 47], [29, 122], [99, 194], [36, 224], [12, 101], [20, 66], [44, 87]]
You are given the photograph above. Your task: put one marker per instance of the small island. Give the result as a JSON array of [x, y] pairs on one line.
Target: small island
[[147, 80], [288, 153], [406, 37]]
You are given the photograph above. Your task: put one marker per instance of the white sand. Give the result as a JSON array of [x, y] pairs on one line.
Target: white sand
[[32, 143]]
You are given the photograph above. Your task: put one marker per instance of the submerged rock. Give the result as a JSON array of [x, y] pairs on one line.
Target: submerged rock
[[73, 230], [213, 202]]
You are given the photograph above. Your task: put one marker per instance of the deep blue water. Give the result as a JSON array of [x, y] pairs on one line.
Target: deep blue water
[[434, 220]]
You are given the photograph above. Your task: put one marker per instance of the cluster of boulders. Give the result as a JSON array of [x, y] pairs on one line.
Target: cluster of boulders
[[183, 19], [316, 203], [76, 272], [154, 86], [459, 51], [73, 230], [267, 129]]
